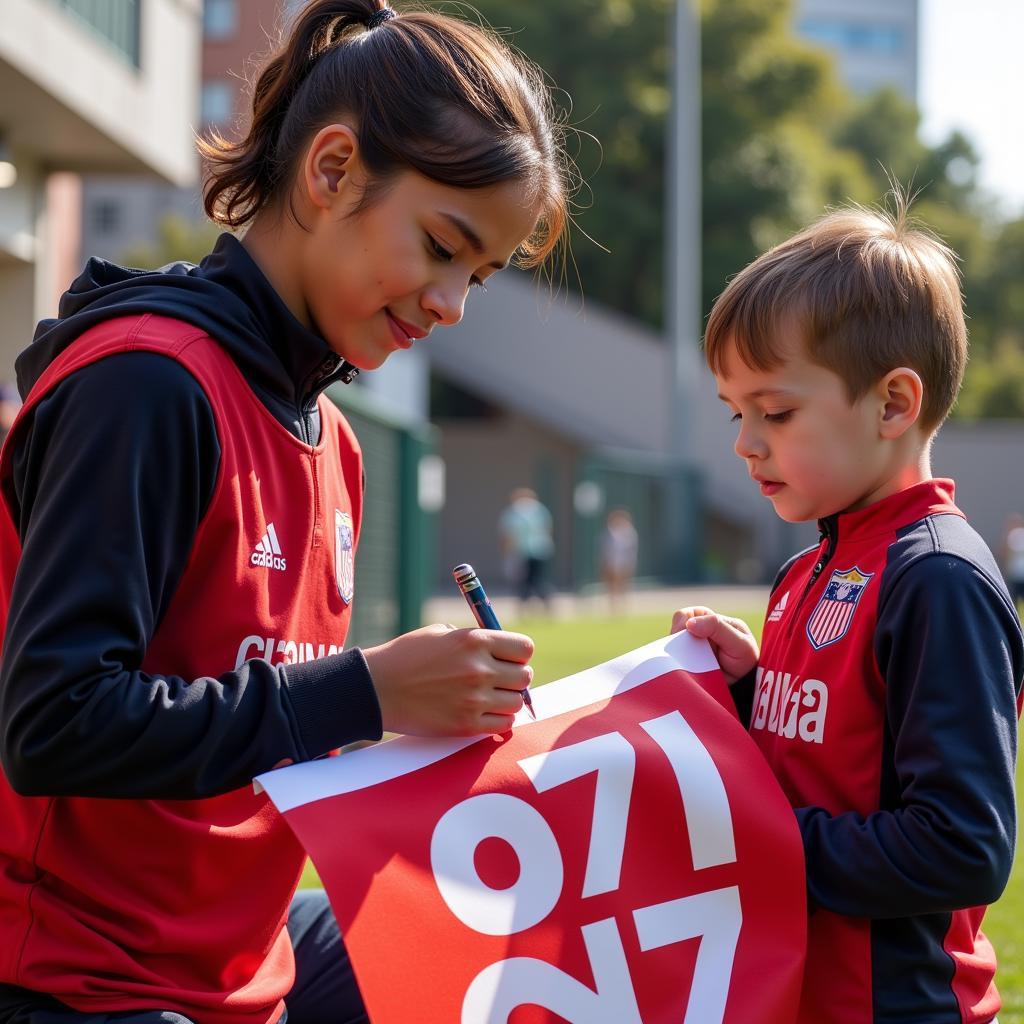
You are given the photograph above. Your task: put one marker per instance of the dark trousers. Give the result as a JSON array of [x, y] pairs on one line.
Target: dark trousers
[[325, 990], [533, 579]]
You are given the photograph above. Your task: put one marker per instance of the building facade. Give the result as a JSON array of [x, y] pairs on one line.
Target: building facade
[[84, 87], [875, 42], [123, 213]]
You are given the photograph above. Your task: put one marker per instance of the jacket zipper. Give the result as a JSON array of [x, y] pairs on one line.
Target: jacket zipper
[[321, 378], [829, 536]]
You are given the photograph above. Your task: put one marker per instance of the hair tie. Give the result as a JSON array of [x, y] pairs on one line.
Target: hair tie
[[379, 17]]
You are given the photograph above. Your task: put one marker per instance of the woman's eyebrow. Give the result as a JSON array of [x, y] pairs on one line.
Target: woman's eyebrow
[[470, 236]]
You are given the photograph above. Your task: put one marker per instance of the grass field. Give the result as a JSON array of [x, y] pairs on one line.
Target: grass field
[[567, 647]]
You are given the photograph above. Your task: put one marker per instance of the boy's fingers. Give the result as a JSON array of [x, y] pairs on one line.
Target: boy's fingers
[[721, 629], [683, 615]]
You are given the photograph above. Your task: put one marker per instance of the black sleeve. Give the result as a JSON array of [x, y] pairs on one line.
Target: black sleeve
[[112, 478], [949, 646]]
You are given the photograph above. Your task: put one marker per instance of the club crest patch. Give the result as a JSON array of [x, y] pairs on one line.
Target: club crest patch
[[834, 611], [344, 555]]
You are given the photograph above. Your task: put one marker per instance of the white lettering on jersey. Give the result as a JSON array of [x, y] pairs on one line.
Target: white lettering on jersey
[[268, 551], [789, 708], [281, 652]]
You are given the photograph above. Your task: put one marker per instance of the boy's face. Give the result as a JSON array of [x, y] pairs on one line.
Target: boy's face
[[811, 451]]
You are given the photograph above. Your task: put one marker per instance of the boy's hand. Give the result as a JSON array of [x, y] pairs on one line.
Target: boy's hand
[[443, 681], [731, 640]]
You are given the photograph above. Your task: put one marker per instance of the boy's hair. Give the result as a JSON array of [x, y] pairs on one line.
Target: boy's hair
[[427, 91], [868, 291]]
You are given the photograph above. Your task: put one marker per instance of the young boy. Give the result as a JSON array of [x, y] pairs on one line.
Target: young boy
[[886, 691]]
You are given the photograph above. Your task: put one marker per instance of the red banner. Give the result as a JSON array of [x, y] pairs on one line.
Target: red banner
[[627, 858]]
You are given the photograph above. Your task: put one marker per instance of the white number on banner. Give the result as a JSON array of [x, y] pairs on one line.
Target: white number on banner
[[614, 760], [453, 847], [713, 917], [524, 981], [705, 801]]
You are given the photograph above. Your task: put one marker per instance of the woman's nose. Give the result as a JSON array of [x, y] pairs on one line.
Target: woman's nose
[[446, 303]]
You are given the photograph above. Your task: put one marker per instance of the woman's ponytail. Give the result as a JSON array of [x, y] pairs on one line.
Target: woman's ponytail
[[242, 177]]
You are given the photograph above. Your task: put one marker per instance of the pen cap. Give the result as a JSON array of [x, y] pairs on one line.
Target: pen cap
[[464, 574]]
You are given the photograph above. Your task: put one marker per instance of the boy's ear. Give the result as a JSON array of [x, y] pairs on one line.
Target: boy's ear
[[902, 393], [331, 159]]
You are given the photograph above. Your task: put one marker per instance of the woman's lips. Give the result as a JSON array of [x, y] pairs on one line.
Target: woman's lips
[[402, 339]]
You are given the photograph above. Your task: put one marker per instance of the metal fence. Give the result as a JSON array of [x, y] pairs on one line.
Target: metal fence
[[394, 563], [664, 500]]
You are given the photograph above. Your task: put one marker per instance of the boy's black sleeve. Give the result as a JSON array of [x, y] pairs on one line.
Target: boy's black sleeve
[[107, 506], [948, 644]]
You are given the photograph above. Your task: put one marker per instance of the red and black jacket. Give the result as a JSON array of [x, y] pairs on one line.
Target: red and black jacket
[[167, 413], [886, 700]]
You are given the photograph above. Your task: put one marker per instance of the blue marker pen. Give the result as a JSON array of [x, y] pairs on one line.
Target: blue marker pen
[[473, 590]]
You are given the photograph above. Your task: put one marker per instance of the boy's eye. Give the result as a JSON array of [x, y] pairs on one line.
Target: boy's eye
[[440, 251], [477, 283], [778, 417], [735, 418]]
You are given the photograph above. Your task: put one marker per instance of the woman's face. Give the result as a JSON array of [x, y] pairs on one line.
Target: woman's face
[[379, 281]]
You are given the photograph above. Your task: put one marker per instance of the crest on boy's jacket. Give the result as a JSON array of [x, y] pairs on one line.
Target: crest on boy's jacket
[[836, 607]]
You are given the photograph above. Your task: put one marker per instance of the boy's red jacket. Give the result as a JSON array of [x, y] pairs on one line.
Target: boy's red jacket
[[124, 904], [886, 700]]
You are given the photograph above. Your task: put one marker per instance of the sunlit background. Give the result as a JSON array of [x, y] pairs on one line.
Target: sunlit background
[[586, 384]]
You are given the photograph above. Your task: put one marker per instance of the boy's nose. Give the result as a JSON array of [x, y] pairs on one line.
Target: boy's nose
[[749, 444]]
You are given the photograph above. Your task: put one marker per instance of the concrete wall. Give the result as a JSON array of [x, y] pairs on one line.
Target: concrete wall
[[17, 302], [987, 462], [586, 372], [484, 460]]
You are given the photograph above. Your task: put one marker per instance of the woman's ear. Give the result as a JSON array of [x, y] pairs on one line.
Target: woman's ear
[[902, 394], [331, 159]]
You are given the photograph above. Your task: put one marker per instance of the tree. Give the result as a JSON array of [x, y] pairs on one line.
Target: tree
[[766, 167], [610, 62]]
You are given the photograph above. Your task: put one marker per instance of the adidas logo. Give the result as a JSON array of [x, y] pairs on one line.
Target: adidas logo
[[779, 608], [268, 551]]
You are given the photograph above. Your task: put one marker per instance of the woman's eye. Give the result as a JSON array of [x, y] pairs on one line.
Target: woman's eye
[[778, 417], [475, 282], [440, 251], [735, 418]]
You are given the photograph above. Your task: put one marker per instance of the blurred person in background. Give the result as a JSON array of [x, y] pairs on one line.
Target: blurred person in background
[[619, 543], [527, 544], [1013, 558]]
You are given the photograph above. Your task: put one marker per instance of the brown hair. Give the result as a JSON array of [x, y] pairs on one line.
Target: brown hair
[[868, 290], [427, 92]]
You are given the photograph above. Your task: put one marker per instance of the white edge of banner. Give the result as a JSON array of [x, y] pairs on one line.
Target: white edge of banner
[[304, 783]]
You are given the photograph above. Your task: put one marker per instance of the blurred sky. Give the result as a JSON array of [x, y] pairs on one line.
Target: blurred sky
[[972, 78]]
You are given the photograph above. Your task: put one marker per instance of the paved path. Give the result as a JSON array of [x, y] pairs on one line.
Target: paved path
[[453, 609]]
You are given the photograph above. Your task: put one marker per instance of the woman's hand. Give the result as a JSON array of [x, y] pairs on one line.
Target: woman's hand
[[443, 681], [731, 639]]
